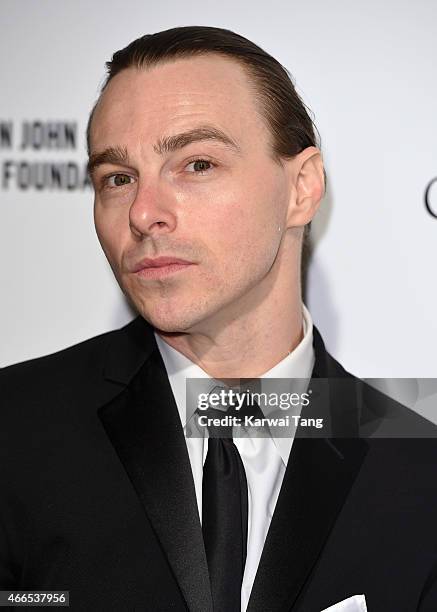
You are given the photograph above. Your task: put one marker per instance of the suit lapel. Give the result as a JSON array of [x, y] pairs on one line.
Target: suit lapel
[[144, 427], [317, 480]]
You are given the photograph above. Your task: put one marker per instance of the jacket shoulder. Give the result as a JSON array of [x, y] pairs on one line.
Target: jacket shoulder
[[377, 414], [75, 371], [80, 355]]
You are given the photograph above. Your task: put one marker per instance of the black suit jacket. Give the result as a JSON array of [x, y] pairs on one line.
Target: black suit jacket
[[97, 495]]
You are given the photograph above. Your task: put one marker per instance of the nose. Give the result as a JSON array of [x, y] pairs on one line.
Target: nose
[[152, 212]]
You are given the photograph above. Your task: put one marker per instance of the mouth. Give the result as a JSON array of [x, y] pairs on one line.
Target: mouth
[[160, 267]]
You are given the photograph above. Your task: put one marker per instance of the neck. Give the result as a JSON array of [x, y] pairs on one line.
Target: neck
[[253, 335]]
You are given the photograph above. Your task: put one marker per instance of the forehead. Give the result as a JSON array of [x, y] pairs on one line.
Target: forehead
[[145, 103]]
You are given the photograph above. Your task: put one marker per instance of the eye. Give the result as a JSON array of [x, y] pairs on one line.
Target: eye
[[119, 180], [199, 166]]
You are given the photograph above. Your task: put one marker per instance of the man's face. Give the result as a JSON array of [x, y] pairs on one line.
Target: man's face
[[188, 173]]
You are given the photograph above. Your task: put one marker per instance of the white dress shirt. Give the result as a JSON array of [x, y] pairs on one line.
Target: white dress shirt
[[264, 458]]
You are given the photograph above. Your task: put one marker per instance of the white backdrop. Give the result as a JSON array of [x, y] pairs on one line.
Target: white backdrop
[[367, 70]]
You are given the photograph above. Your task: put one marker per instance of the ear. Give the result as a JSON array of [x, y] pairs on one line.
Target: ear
[[308, 186]]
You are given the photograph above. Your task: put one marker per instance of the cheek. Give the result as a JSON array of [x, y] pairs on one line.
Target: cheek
[[109, 229], [244, 237], [253, 214]]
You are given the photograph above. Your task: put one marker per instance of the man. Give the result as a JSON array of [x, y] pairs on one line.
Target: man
[[206, 173]]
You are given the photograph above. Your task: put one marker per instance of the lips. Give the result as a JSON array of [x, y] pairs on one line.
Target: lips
[[159, 262]]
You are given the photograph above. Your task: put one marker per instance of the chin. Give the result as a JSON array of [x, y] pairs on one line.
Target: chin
[[167, 320], [178, 313]]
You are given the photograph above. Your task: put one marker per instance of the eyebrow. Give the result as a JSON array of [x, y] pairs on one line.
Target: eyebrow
[[111, 155], [167, 144]]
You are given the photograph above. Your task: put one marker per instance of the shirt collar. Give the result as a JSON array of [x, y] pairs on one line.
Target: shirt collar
[[297, 364]]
